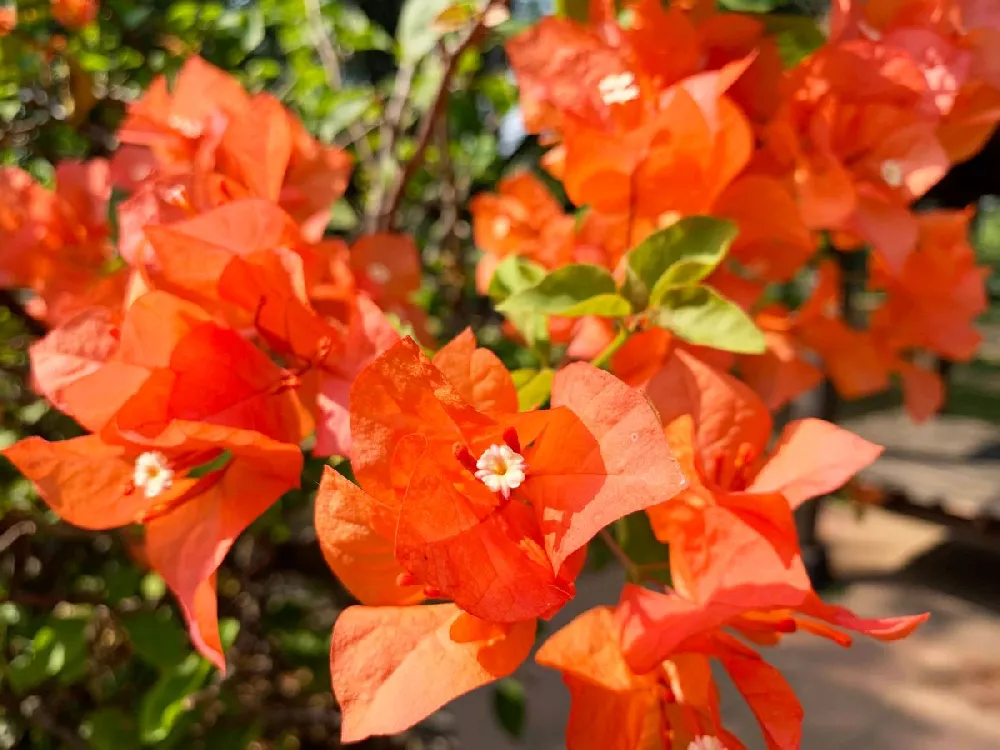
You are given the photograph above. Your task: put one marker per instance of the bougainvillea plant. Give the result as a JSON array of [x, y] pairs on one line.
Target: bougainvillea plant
[[216, 332]]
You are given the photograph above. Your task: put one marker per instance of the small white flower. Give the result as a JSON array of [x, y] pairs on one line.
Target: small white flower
[[501, 469], [175, 195], [185, 126], [618, 89], [501, 226], [153, 474], [706, 742], [892, 173], [379, 273]]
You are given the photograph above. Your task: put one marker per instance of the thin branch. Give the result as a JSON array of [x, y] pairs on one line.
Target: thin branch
[[630, 567], [15, 532], [426, 129], [331, 66]]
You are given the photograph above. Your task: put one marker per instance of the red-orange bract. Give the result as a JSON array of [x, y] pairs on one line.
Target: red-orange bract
[[427, 521]]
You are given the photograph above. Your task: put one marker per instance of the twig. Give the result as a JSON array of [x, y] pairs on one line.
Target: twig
[[630, 567], [426, 129], [15, 532], [331, 66]]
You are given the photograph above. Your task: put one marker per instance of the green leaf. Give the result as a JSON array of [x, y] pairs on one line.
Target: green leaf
[[700, 315], [349, 106], [797, 37], [572, 291], [635, 536], [110, 729], [417, 33], [342, 217], [512, 275], [683, 253], [157, 638], [751, 6], [166, 702], [229, 628], [578, 10], [355, 31], [253, 35], [59, 648], [153, 587], [533, 387], [509, 706]]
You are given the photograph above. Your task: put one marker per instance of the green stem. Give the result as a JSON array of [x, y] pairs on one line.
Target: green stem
[[602, 359]]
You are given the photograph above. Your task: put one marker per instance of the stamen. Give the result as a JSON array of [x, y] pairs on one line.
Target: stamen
[[511, 439], [465, 457]]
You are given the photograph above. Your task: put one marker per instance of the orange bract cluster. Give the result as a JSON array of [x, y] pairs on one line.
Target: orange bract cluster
[[216, 333], [842, 143]]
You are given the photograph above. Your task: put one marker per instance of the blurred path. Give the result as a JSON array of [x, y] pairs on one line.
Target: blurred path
[[938, 690]]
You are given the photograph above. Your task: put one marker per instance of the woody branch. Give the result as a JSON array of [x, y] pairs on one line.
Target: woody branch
[[389, 201]]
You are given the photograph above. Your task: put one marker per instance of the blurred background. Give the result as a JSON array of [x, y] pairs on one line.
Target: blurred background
[[93, 653]]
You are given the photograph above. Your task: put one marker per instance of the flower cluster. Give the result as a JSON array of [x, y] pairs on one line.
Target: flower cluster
[[214, 333]]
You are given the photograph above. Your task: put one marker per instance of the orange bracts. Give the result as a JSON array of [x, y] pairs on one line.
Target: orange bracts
[[463, 498]]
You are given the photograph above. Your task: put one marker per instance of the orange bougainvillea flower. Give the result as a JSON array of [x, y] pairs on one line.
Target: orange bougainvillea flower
[[671, 636], [782, 373], [171, 122], [940, 291], [719, 429], [213, 143], [167, 360], [8, 18], [773, 243], [328, 353], [649, 661], [462, 498], [74, 14], [192, 509], [56, 242], [857, 130], [522, 218]]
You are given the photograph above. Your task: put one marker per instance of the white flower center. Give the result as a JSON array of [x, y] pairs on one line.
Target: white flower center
[[706, 742], [379, 273], [501, 469], [153, 474], [175, 195], [892, 173], [501, 226], [185, 126], [618, 89]]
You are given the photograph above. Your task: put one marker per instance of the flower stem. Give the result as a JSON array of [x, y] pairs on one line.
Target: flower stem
[[605, 356]]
